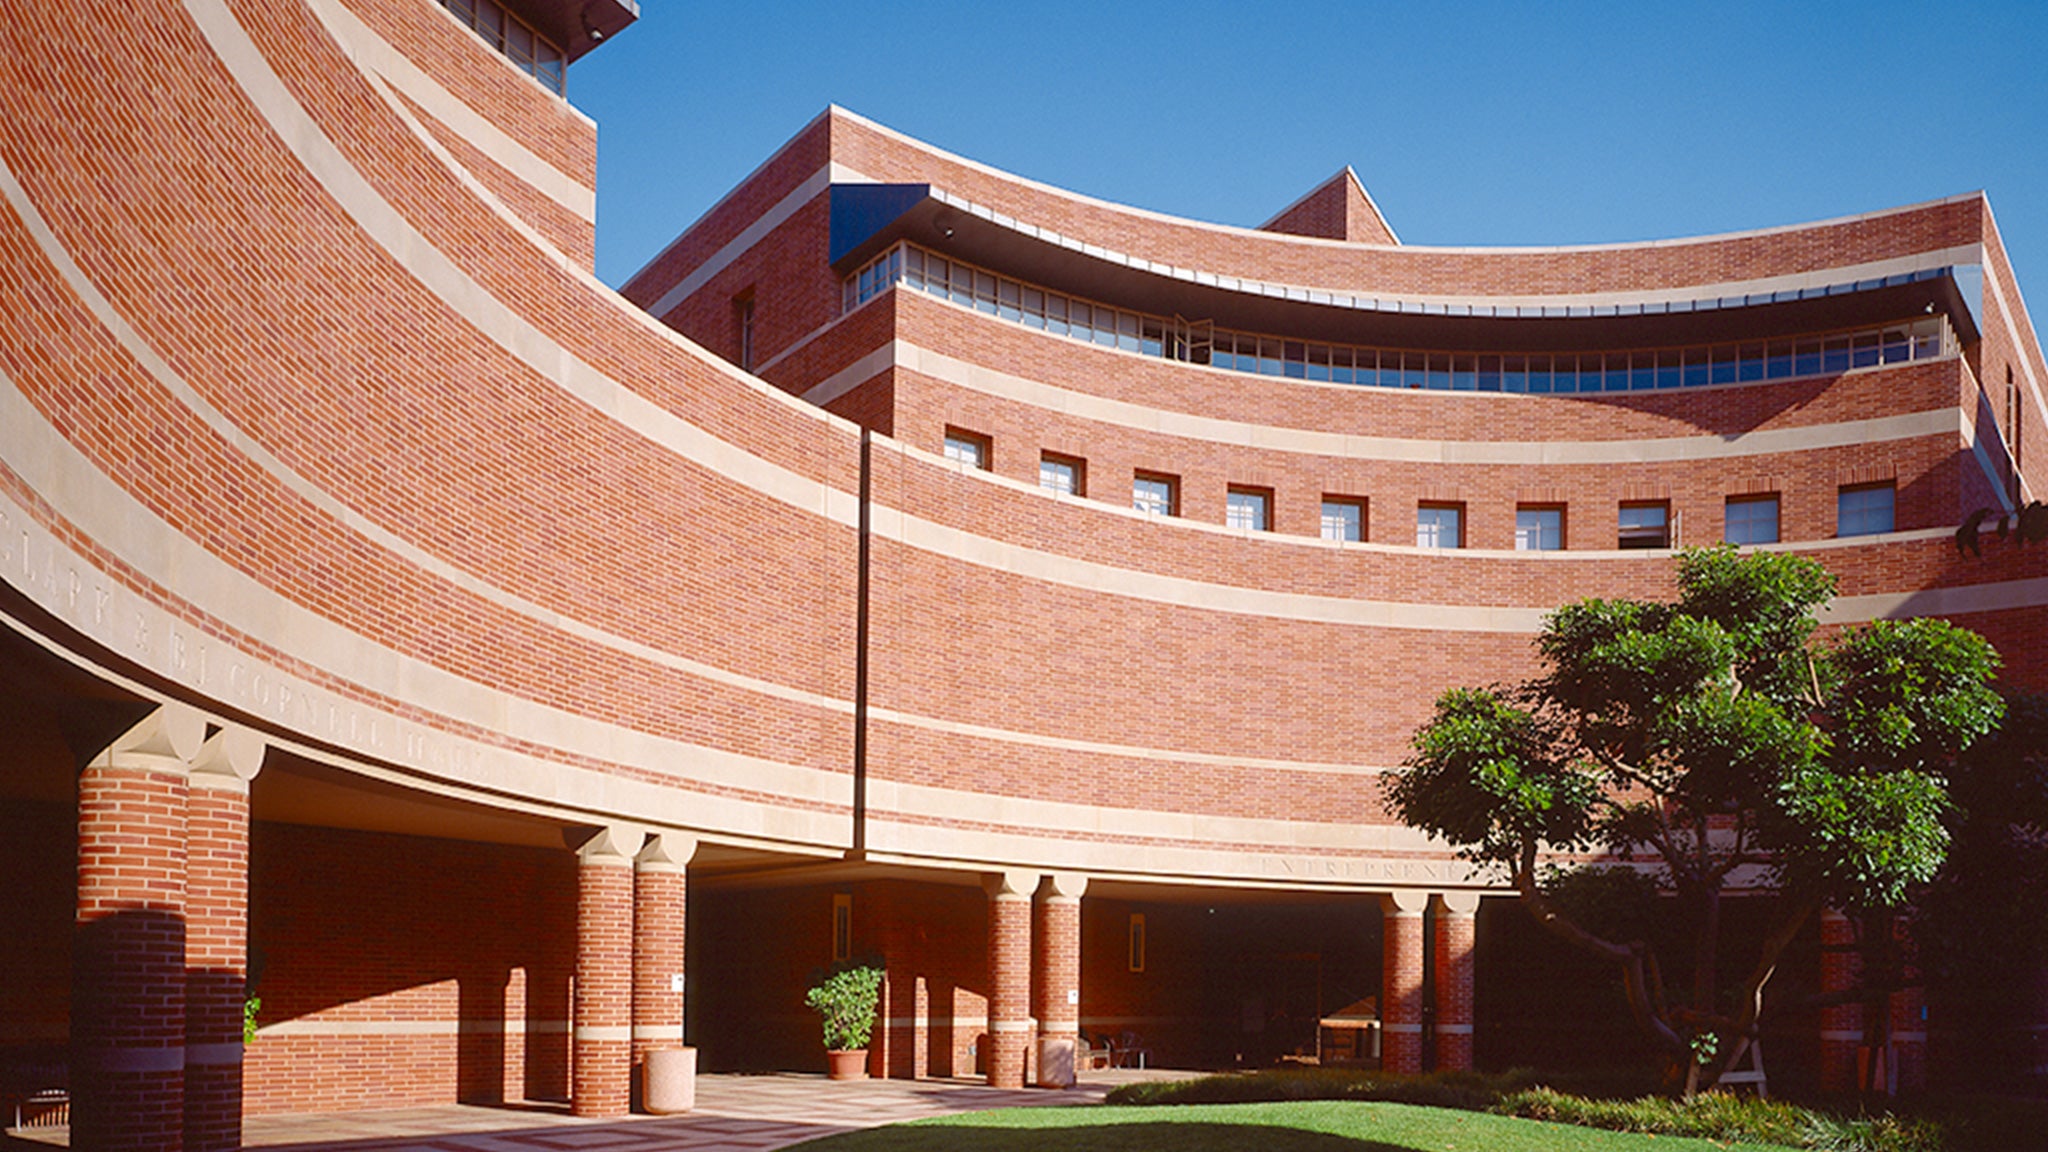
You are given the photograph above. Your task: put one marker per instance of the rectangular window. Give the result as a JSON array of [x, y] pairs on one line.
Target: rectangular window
[[1865, 510], [1066, 475], [1539, 528], [1248, 508], [842, 926], [743, 325], [1751, 520], [1440, 526], [969, 448], [1137, 941], [1645, 525], [1343, 519], [1155, 494]]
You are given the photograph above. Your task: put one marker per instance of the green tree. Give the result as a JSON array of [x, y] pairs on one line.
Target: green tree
[[1713, 742]]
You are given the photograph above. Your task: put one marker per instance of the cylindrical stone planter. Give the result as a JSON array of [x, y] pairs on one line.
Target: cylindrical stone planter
[[670, 1080]]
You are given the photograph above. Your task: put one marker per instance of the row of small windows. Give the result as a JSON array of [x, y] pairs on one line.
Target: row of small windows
[[1200, 343], [533, 53], [1860, 510]]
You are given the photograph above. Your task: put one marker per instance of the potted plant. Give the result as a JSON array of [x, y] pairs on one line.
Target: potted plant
[[845, 1001]]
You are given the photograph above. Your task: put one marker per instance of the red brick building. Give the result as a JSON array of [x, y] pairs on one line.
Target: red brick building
[[409, 631]]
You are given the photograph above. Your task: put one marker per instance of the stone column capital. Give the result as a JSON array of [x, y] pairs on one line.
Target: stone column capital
[[1060, 887], [1404, 902], [666, 852], [607, 844], [229, 759], [1457, 903], [166, 740], [1010, 884]]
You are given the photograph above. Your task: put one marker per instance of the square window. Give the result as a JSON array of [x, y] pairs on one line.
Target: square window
[[1066, 475], [1343, 519], [969, 448], [1865, 510], [1440, 526], [1248, 508], [1155, 494], [1539, 528], [1751, 520], [1645, 525]]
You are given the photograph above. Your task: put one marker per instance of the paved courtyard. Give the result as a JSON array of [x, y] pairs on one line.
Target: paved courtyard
[[733, 1114]]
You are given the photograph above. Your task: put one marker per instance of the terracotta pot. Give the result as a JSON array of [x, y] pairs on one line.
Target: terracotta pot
[[846, 1064]]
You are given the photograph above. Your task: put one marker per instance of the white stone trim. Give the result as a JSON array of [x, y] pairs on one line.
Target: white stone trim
[[601, 1032], [371, 52]]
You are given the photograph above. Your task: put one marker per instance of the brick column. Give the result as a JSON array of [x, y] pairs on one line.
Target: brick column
[[1457, 920], [1056, 977], [600, 1047], [1401, 981], [660, 887], [217, 937], [1909, 1015], [1009, 975], [128, 955], [1841, 1025]]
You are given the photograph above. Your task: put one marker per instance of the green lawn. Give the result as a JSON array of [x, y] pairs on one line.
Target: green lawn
[[1297, 1126]]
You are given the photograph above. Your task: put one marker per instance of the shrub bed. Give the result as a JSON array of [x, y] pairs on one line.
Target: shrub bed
[[1713, 1116]]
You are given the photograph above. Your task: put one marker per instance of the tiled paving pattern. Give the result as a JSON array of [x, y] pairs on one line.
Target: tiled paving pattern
[[733, 1114]]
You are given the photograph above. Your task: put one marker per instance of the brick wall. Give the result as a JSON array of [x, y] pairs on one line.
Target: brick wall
[[400, 970]]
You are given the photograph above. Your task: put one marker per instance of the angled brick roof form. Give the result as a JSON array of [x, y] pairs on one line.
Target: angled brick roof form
[[1337, 209]]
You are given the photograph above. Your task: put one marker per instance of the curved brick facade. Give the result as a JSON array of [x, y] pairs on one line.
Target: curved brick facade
[[314, 421]]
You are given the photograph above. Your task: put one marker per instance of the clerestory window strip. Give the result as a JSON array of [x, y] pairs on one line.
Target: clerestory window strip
[[1174, 338]]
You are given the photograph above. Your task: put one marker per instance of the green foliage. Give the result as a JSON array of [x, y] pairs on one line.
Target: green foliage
[[1484, 778], [1710, 1116], [250, 1007], [1719, 1116], [845, 1001], [1702, 735]]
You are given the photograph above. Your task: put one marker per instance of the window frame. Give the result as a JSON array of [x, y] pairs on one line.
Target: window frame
[[1846, 491], [1539, 509], [1249, 493], [1753, 500], [1077, 468], [1170, 482], [1457, 510], [1640, 539], [983, 447], [1359, 505]]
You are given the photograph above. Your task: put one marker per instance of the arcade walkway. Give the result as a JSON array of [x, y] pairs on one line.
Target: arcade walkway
[[733, 1114]]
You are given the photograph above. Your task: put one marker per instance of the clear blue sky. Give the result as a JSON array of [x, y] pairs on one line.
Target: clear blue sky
[[1473, 124]]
